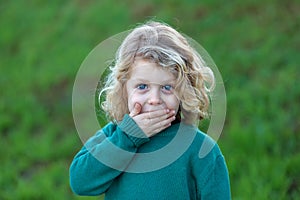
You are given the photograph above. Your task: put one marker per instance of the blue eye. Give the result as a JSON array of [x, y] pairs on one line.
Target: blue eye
[[167, 87], [142, 86]]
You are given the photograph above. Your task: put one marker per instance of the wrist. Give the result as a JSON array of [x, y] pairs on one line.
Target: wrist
[[133, 131]]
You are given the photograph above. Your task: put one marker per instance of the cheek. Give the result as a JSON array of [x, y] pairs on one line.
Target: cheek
[[135, 98], [175, 105], [172, 103]]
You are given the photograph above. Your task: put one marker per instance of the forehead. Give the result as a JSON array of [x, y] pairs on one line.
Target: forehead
[[150, 71]]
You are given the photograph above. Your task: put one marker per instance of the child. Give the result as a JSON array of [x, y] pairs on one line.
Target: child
[[157, 90]]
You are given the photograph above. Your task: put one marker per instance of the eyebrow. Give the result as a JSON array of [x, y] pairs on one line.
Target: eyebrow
[[147, 81]]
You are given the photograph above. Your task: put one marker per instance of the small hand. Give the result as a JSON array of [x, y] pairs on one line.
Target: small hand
[[152, 122]]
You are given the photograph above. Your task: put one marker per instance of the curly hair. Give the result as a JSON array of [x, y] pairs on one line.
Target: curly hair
[[162, 44]]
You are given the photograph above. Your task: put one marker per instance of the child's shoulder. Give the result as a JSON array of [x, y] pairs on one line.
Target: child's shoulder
[[205, 146], [108, 129]]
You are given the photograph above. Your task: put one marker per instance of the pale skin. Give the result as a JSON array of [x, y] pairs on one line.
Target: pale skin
[[151, 100]]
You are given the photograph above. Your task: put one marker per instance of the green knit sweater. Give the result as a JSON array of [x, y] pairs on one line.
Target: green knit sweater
[[124, 164]]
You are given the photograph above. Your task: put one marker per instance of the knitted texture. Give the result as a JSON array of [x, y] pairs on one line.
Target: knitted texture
[[100, 167]]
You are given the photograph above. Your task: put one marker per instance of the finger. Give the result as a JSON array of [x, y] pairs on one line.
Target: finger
[[156, 113], [157, 127], [161, 118], [136, 110]]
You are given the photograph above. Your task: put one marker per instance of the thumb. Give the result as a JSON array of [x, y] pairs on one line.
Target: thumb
[[136, 110]]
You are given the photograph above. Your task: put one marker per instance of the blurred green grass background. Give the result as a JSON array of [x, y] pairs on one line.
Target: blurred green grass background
[[255, 45]]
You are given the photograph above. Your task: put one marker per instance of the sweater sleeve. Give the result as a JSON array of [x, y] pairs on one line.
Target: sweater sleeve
[[104, 157], [217, 183], [211, 176]]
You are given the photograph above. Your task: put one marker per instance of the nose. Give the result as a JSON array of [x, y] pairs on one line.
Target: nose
[[154, 97]]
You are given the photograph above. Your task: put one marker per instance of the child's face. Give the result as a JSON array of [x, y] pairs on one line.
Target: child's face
[[152, 87]]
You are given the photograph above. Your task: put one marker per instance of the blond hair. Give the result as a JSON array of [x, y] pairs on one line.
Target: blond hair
[[160, 43]]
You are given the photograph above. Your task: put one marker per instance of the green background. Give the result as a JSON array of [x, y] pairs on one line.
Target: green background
[[254, 43]]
